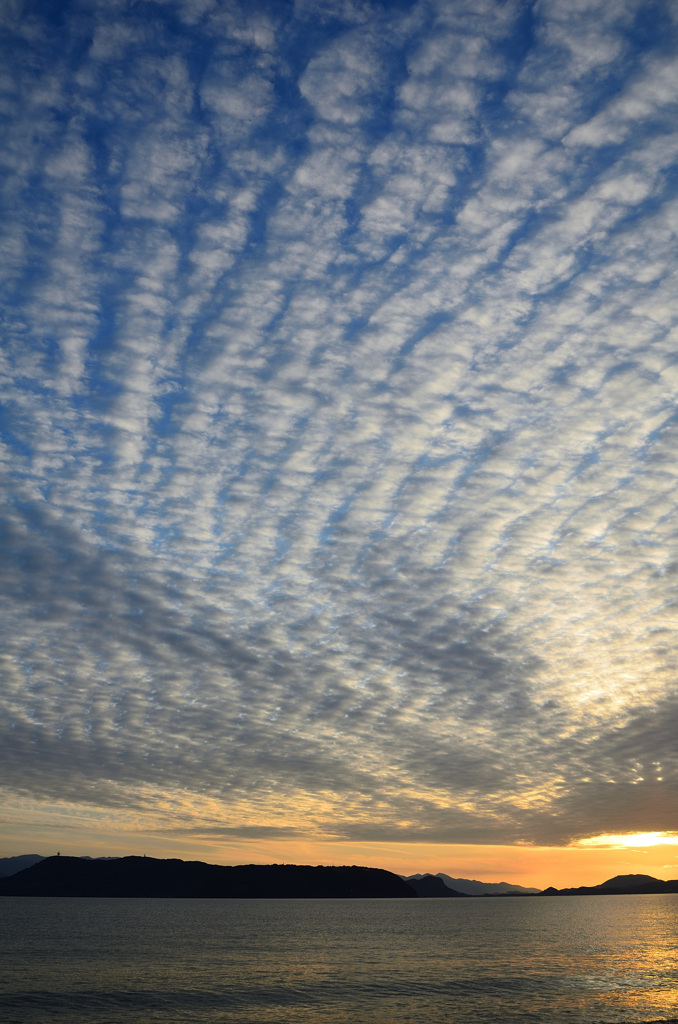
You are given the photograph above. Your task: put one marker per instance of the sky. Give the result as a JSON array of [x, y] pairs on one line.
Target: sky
[[339, 377]]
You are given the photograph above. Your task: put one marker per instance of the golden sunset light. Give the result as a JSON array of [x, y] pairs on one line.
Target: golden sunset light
[[636, 840]]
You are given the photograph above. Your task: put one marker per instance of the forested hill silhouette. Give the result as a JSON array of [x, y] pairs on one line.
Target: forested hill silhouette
[[146, 876]]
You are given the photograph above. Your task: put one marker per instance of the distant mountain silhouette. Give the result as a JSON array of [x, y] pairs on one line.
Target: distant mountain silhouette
[[474, 888], [432, 886], [469, 887], [12, 865], [148, 877], [620, 885]]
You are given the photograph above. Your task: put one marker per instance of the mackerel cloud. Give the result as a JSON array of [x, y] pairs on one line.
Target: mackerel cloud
[[339, 373]]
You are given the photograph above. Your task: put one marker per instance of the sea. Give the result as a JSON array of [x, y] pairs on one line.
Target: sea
[[552, 960]]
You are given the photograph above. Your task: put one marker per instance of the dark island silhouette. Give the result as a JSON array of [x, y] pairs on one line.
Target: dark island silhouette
[[620, 885], [148, 877], [151, 877]]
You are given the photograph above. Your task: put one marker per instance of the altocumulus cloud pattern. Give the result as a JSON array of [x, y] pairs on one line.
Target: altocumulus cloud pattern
[[339, 371]]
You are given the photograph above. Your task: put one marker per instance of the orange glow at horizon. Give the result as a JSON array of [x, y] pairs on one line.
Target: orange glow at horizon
[[522, 865], [181, 825]]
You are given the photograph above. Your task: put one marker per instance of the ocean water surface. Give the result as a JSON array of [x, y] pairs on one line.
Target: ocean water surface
[[578, 959]]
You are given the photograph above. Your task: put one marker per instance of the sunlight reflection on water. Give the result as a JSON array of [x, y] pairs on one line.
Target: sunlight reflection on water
[[577, 959]]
